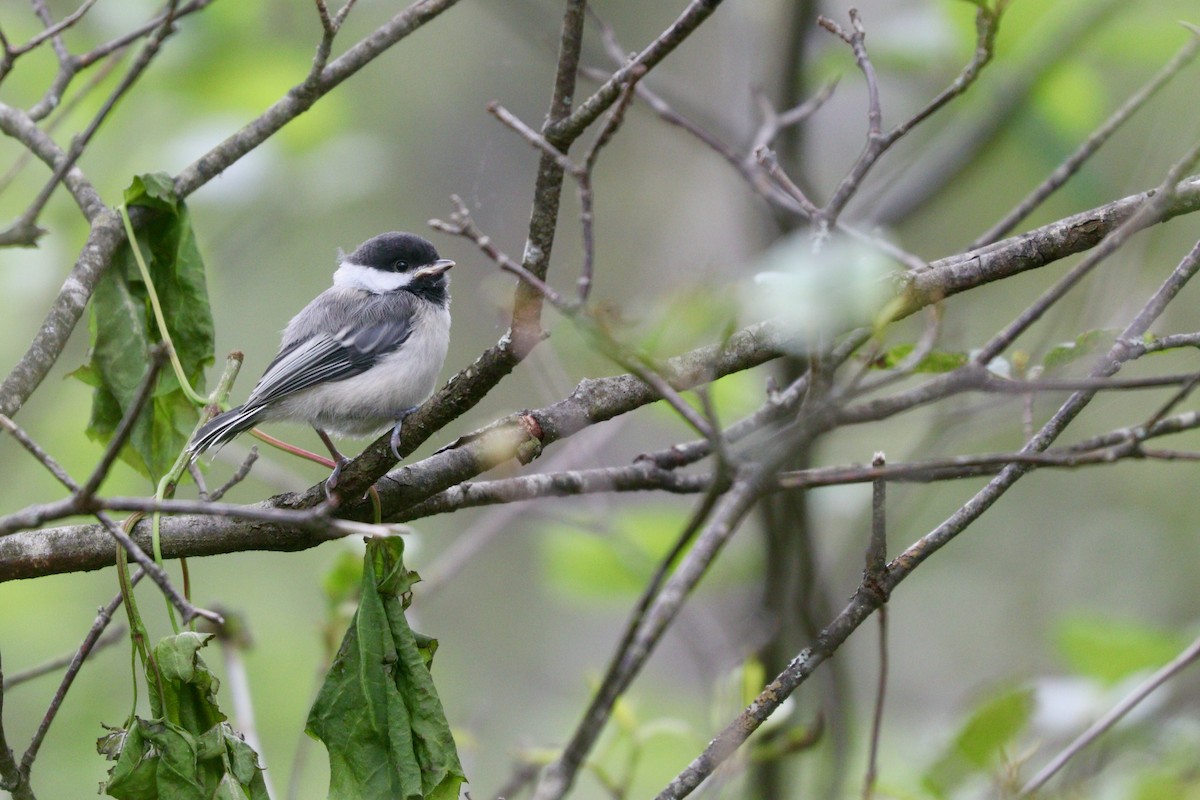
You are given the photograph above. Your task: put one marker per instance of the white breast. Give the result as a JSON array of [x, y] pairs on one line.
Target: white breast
[[366, 404]]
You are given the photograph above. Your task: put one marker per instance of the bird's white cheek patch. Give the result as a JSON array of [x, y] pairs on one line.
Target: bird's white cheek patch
[[355, 276]]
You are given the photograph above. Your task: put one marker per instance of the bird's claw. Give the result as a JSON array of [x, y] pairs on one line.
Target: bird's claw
[[332, 481], [394, 441]]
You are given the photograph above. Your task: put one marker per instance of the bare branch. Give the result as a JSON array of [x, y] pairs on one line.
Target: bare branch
[[158, 356], [642, 476], [55, 29], [55, 664], [867, 600], [1101, 726], [302, 96], [86, 547], [238, 476], [659, 601], [12, 779], [34, 449], [623, 355], [103, 617], [1073, 162], [987, 21], [80, 141], [1039, 247], [589, 111]]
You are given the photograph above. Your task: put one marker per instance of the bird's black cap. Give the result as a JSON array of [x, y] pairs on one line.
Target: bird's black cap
[[394, 252]]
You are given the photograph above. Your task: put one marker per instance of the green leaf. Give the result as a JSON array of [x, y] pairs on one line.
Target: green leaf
[[378, 712], [1084, 344], [189, 751], [188, 689], [122, 331], [981, 741], [936, 361], [1111, 650], [994, 724]]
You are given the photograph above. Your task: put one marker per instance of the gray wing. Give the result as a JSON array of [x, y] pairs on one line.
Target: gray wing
[[314, 351]]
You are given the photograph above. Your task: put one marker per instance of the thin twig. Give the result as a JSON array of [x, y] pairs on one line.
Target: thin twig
[[330, 25], [635, 646], [462, 224], [876, 556], [52, 466], [56, 42], [874, 570], [103, 617], [866, 601], [584, 179], [53, 30], [1101, 726], [242, 472], [12, 779], [157, 357], [1149, 213], [151, 25], [1090, 145], [514, 123], [987, 22], [694, 15], [64, 113], [80, 141], [55, 664]]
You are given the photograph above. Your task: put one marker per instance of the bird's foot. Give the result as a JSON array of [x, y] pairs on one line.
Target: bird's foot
[[332, 481], [394, 442]]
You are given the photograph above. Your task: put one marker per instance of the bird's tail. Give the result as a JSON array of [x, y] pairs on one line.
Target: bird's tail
[[223, 427]]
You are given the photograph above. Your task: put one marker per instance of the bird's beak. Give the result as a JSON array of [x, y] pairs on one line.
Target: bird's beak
[[436, 268]]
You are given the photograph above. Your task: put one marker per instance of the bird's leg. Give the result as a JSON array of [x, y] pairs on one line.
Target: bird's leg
[[395, 440], [339, 461]]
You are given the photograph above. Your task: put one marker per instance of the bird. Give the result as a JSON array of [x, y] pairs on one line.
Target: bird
[[361, 356]]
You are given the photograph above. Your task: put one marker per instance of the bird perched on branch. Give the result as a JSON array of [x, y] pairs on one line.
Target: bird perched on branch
[[359, 357]]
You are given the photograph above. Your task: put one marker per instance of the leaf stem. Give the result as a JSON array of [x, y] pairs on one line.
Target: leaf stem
[[163, 331]]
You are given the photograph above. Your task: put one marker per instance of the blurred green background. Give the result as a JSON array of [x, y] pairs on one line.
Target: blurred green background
[[1066, 565]]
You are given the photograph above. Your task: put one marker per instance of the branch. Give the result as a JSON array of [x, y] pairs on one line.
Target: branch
[[960, 143], [79, 142], [589, 111], [86, 547], [639, 477], [90, 641], [1091, 144], [1148, 213], [868, 598], [646, 475], [12, 779], [655, 612], [1037, 248], [1114, 715], [53, 30], [55, 664], [106, 234], [302, 96], [18, 125]]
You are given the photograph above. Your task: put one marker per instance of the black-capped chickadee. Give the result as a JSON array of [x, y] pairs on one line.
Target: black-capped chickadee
[[359, 357]]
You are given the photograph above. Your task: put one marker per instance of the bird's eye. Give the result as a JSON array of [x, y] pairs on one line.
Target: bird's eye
[[401, 265]]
